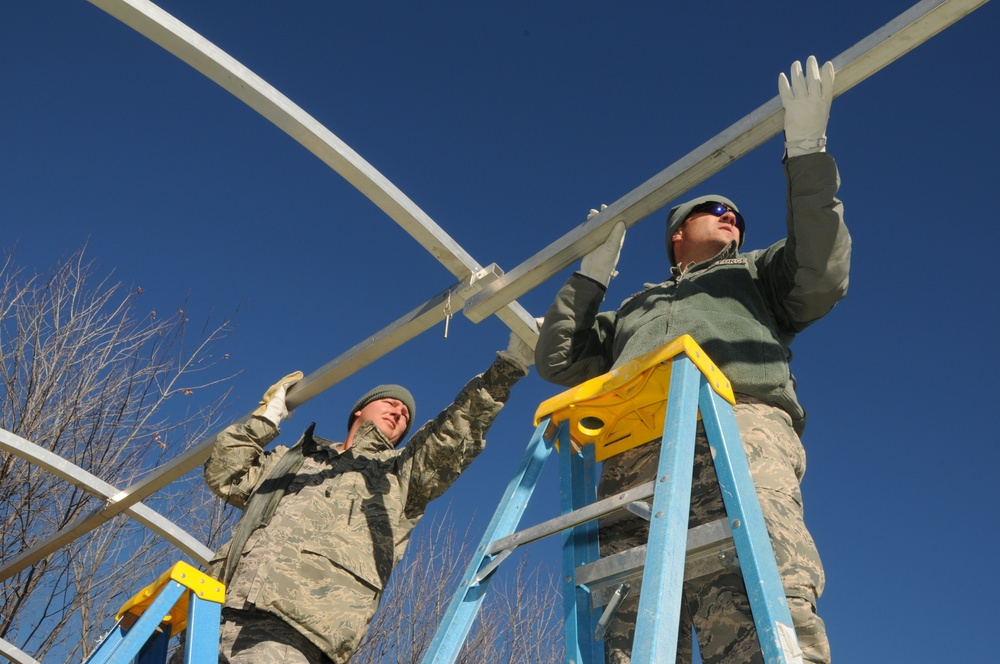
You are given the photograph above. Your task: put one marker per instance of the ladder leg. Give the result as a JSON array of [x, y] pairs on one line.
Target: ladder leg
[[578, 488], [201, 642], [155, 650], [662, 584], [125, 644], [461, 613], [753, 546]]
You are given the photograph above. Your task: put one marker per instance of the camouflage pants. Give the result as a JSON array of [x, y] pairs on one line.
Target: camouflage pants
[[262, 638], [717, 606]]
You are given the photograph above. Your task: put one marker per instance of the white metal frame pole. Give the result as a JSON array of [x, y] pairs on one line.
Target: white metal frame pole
[[177, 38], [910, 29], [55, 464], [15, 654], [898, 37], [418, 320], [163, 29]]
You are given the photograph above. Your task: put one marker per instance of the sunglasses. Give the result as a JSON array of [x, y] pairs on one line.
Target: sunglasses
[[718, 209]]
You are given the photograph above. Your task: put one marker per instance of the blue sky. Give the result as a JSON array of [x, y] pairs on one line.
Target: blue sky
[[506, 122]]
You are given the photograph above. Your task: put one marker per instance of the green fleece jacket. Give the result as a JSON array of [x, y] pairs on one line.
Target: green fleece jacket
[[744, 309]]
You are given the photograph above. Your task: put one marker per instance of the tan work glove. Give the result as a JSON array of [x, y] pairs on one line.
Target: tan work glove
[[272, 405]]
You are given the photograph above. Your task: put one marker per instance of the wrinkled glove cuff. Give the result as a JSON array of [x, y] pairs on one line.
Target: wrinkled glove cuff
[[274, 412], [805, 146]]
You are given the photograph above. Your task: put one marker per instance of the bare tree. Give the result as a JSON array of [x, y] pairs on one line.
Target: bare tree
[[519, 621], [116, 391]]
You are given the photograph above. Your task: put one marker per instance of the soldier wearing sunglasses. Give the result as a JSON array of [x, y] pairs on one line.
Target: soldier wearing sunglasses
[[744, 309]]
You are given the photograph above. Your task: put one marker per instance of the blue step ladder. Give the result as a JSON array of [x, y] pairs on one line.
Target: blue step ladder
[[182, 598], [662, 393]]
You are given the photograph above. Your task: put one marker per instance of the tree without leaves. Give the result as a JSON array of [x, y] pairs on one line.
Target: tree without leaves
[[89, 378], [519, 621]]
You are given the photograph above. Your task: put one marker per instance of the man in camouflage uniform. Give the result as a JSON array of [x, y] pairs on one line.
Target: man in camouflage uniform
[[744, 310], [325, 523]]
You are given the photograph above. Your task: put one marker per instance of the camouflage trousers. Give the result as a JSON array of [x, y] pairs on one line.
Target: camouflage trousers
[[258, 637], [717, 606]]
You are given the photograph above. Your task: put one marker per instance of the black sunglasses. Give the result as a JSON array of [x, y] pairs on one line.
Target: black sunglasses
[[719, 209]]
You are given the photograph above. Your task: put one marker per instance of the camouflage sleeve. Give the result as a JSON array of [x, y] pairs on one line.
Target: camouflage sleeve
[[502, 375], [444, 447], [238, 461]]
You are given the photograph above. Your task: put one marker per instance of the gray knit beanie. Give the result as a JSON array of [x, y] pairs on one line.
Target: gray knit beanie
[[397, 392], [679, 214]]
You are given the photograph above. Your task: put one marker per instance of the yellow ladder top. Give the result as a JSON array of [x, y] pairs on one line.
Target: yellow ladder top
[[626, 407], [203, 585]]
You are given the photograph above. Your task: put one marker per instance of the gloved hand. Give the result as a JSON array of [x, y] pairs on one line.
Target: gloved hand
[[593, 213], [807, 102], [272, 406], [600, 264], [518, 353]]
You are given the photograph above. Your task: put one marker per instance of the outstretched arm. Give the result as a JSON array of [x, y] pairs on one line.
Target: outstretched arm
[[574, 341], [238, 461], [809, 274], [444, 447]]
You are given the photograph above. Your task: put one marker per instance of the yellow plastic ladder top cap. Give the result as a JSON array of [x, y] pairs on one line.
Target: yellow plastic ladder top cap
[[204, 586], [626, 407]]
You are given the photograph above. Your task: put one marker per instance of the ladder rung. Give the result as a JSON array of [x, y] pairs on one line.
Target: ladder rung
[[571, 519], [705, 544]]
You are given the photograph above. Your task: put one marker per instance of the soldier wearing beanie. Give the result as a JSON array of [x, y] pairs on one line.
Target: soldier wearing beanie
[[744, 310], [395, 395], [324, 523]]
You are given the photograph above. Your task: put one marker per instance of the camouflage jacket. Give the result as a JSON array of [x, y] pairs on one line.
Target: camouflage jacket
[[351, 510], [744, 310]]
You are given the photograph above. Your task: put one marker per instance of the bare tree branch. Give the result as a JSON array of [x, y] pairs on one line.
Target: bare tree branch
[[520, 619], [90, 378]]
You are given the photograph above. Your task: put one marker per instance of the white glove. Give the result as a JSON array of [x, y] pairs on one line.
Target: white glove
[[272, 406], [518, 352], [807, 106], [600, 264]]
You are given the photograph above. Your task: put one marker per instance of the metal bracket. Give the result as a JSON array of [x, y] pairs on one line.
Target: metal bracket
[[610, 610], [491, 566]]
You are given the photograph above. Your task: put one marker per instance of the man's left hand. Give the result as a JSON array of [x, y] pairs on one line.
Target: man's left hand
[[519, 353], [806, 100]]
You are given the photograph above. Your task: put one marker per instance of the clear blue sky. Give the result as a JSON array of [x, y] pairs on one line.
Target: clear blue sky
[[506, 122]]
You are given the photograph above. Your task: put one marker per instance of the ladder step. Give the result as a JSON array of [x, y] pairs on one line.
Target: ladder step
[[709, 547], [572, 519], [674, 553]]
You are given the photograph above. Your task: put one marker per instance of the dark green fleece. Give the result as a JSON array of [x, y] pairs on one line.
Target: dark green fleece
[[744, 310]]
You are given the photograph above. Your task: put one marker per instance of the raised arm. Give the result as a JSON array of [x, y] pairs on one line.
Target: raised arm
[[444, 447], [574, 340], [810, 273], [238, 462]]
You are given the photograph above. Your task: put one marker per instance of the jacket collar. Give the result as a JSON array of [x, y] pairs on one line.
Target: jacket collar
[[368, 440], [731, 250]]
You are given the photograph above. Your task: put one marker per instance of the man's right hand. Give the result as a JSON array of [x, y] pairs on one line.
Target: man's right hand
[[272, 406], [599, 264]]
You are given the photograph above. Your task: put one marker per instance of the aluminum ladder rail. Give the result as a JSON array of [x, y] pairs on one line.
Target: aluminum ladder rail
[[183, 598], [661, 393]]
